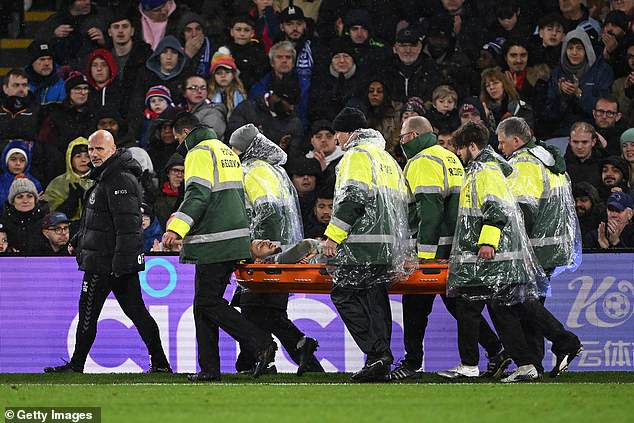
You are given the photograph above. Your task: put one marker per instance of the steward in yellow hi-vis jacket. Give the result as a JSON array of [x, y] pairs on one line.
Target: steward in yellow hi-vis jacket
[[212, 222], [368, 239], [274, 214], [434, 177]]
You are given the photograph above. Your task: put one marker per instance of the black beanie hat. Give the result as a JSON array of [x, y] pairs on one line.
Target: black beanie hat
[[39, 48], [349, 120]]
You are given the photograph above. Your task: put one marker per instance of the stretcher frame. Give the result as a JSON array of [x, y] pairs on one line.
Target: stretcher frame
[[429, 278]]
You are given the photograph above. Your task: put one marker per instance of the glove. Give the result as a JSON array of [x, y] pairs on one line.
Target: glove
[[75, 195]]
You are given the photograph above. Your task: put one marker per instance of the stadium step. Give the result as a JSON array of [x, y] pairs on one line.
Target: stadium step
[[13, 51]]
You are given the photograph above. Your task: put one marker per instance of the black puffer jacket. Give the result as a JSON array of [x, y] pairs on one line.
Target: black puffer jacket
[[24, 229], [110, 239]]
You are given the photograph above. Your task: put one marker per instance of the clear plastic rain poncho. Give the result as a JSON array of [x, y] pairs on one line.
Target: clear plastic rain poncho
[[369, 218], [271, 197], [487, 204], [546, 199]]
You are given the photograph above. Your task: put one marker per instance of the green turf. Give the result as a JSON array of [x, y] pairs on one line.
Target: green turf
[[573, 397]]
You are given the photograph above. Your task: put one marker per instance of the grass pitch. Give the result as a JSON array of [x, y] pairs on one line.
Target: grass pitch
[[573, 397]]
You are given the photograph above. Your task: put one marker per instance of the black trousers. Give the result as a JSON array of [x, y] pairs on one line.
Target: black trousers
[[367, 314], [127, 291], [212, 311], [275, 321], [416, 311], [534, 339]]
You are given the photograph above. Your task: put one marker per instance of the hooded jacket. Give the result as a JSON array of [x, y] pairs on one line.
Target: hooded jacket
[[112, 93], [597, 80], [153, 62], [6, 178], [110, 239], [58, 190], [47, 89]]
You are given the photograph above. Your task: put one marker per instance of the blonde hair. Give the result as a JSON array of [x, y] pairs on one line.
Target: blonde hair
[[235, 86], [496, 74], [443, 91]]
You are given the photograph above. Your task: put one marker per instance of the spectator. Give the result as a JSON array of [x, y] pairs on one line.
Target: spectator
[[370, 54], [583, 156], [501, 98], [615, 175], [158, 19], [65, 193], [627, 151], [129, 53], [615, 42], [412, 107], [168, 199], [76, 30], [247, 51], [574, 12], [623, 88], [19, 111], [105, 88], [510, 21], [196, 102], [443, 114], [316, 223], [304, 174], [44, 80], [576, 83], [282, 57], [530, 82], [16, 162], [55, 235], [267, 23], [197, 46], [109, 119], [23, 216], [411, 73], [166, 66], [590, 210], [225, 86], [158, 99], [617, 231], [383, 113], [467, 26], [5, 249], [162, 143], [489, 57], [341, 85], [151, 228], [325, 149], [445, 140], [546, 46], [625, 6], [607, 121]]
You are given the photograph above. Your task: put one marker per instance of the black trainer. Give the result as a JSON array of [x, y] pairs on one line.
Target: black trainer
[[159, 368], [403, 371], [203, 377], [564, 360], [497, 364], [264, 359], [377, 371], [64, 368], [305, 353], [271, 370]]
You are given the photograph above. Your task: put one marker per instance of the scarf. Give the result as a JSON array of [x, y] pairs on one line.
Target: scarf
[[153, 32]]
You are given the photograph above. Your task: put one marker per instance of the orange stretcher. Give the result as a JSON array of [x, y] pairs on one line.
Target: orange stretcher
[[429, 278]]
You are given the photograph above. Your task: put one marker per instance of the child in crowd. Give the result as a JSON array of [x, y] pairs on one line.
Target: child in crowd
[[4, 240], [157, 99], [444, 115], [225, 85], [16, 160], [152, 232], [247, 52], [546, 47]]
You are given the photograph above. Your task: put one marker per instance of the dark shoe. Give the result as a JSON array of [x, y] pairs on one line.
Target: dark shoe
[[305, 353], [203, 377], [271, 370], [162, 368], [264, 359], [403, 371], [564, 360], [65, 368], [497, 364], [377, 371]]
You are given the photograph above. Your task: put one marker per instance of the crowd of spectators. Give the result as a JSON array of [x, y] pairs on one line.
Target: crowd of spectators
[[289, 67]]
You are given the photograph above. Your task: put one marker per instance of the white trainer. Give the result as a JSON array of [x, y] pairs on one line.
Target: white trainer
[[526, 373], [460, 371]]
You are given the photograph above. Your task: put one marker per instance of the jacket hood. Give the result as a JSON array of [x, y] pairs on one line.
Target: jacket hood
[[112, 64], [366, 136], [69, 167], [582, 36], [263, 148], [187, 18], [153, 62], [120, 161], [22, 145]]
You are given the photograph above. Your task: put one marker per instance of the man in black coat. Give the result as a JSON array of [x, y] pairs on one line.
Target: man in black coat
[[110, 252]]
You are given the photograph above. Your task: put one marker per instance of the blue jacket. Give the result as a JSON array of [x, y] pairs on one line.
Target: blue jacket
[[48, 89], [154, 231], [6, 178]]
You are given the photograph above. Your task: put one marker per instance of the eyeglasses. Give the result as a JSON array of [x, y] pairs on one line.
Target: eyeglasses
[[608, 113], [197, 88], [59, 229], [177, 171], [400, 138], [79, 89]]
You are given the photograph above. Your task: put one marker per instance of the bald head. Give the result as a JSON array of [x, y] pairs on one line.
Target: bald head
[[100, 147], [418, 124]]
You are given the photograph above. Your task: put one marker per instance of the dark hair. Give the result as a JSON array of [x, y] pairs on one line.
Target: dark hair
[[610, 98], [185, 120], [471, 132], [512, 42], [15, 72], [244, 18], [506, 9]]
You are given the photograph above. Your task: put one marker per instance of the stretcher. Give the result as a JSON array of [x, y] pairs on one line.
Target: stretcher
[[429, 278]]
